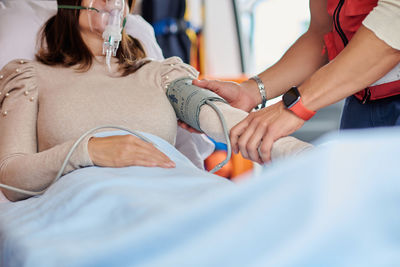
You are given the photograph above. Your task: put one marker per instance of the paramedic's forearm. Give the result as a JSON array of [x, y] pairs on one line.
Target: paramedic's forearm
[[296, 65], [302, 59], [361, 63]]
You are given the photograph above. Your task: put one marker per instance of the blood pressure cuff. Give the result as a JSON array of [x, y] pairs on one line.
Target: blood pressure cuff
[[187, 99]]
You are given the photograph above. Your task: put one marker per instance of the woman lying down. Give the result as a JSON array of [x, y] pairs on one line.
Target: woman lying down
[[47, 104]]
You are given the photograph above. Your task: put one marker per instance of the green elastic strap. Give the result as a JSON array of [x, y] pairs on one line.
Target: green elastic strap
[[123, 24], [77, 7]]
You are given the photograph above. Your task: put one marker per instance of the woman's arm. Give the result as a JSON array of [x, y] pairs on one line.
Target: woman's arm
[[20, 163], [24, 167], [173, 69], [211, 125]]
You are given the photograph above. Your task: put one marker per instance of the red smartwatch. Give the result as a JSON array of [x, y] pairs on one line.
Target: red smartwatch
[[292, 101]]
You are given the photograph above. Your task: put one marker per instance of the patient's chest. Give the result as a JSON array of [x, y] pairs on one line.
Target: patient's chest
[[71, 103]]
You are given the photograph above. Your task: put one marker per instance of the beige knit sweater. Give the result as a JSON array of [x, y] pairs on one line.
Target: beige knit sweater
[[45, 109]]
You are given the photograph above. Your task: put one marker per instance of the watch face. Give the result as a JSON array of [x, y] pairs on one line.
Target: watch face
[[291, 97]]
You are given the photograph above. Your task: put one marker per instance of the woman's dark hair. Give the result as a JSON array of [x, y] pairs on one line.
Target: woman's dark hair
[[60, 43]]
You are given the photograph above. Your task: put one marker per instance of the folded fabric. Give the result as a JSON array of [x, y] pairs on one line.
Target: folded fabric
[[334, 206]]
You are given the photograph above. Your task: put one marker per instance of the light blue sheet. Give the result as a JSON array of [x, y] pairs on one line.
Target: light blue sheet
[[338, 205]]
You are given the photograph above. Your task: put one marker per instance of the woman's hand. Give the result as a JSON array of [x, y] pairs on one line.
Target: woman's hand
[[255, 135], [124, 151]]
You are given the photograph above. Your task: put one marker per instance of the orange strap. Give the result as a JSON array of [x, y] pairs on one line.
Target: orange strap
[[301, 111]]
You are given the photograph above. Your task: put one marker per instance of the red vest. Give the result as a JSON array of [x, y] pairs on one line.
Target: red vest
[[347, 18]]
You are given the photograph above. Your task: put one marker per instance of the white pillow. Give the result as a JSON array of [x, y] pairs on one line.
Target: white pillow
[[20, 22]]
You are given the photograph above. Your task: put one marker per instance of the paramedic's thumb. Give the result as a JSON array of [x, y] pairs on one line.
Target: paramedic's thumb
[[212, 85], [209, 123]]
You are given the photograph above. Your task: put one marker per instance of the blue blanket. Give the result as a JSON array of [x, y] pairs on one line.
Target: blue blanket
[[337, 205]]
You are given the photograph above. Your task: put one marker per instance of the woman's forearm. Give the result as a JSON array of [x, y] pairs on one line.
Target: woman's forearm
[[210, 122], [365, 60], [35, 172], [211, 125]]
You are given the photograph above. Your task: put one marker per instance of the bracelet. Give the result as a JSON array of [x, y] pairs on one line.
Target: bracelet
[[261, 87]]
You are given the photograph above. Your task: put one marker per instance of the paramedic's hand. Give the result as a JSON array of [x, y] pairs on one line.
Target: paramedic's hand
[[244, 96], [261, 129], [124, 151]]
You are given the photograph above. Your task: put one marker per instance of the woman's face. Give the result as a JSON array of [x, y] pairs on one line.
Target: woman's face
[[96, 22], [90, 20]]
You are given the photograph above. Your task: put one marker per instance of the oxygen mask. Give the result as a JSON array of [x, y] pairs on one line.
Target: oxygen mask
[[106, 17]]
